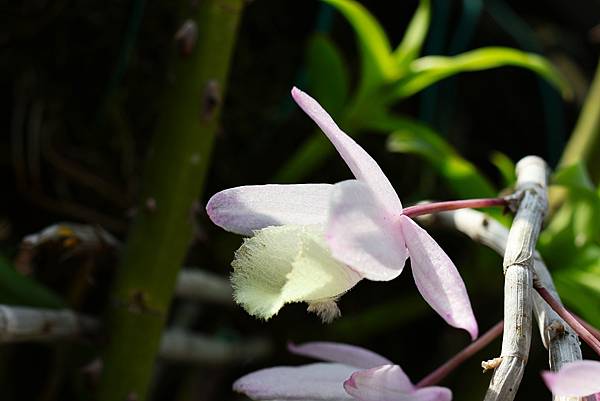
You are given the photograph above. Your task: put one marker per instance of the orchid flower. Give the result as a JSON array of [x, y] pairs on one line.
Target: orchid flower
[[350, 373], [313, 242], [575, 379]]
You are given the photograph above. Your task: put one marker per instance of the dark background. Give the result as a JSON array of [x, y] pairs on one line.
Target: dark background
[[80, 88]]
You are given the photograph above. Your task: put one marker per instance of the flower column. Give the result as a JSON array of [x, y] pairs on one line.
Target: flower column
[[173, 179]]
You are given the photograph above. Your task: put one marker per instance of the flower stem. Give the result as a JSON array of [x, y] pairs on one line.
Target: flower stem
[[584, 333], [588, 326], [434, 207], [437, 375]]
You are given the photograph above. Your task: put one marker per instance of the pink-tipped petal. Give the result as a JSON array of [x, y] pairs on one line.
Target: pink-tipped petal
[[433, 393], [377, 382], [317, 381], [361, 164], [437, 279], [244, 209], [575, 379], [340, 353], [363, 235], [390, 383]]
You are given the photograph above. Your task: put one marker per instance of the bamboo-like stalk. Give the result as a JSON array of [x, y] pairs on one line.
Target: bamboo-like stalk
[[518, 279], [557, 336], [584, 144], [173, 179]]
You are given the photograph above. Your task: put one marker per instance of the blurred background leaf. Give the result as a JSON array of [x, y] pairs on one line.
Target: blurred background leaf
[[326, 74], [377, 64], [570, 244], [428, 70], [17, 289], [414, 37]]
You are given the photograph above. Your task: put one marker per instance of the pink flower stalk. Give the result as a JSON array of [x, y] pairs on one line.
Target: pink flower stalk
[[362, 223], [350, 373], [575, 379]]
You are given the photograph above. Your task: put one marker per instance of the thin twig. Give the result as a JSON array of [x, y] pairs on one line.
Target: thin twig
[[433, 207], [558, 337], [585, 335], [180, 346], [518, 279], [18, 324], [440, 373], [588, 326], [198, 285], [25, 324], [86, 178]]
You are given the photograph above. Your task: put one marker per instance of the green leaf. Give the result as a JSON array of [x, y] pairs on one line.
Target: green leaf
[[378, 64], [459, 174], [327, 75], [579, 283], [414, 37], [16, 289], [506, 167], [573, 176], [571, 242], [575, 225], [428, 70]]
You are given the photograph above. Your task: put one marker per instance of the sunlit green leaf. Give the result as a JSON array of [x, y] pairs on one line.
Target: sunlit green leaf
[[573, 176], [506, 167], [414, 37], [16, 289], [378, 65], [428, 70], [574, 226], [578, 283], [327, 76], [571, 243]]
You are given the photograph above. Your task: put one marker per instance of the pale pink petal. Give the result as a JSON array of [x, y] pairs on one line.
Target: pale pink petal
[[317, 381], [361, 164], [576, 379], [390, 383], [437, 279], [341, 353], [253, 207], [432, 393], [363, 235]]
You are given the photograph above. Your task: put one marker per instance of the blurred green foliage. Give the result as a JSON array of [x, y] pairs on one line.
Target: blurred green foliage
[[387, 76], [570, 244]]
